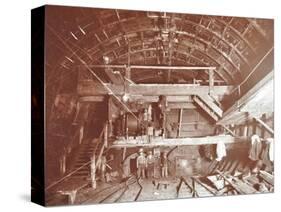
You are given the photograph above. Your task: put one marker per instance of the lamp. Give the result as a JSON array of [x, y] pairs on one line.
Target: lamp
[[105, 59], [125, 97]]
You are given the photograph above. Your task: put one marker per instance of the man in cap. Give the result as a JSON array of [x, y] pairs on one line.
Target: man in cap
[[150, 165], [141, 164]]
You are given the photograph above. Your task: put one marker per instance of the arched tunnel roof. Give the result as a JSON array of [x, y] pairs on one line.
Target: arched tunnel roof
[[233, 45]]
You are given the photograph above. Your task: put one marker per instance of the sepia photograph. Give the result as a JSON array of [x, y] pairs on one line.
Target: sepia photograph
[[149, 105]]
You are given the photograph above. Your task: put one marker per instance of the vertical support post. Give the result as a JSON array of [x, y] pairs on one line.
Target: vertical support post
[[193, 187], [105, 135], [93, 172], [128, 69], [76, 113], [241, 130], [109, 111], [110, 128], [170, 63], [164, 102], [263, 131], [211, 81], [245, 130], [81, 134], [126, 82], [123, 124], [164, 125], [238, 131], [129, 53], [234, 129], [254, 126], [169, 76], [180, 121], [128, 72], [124, 153]]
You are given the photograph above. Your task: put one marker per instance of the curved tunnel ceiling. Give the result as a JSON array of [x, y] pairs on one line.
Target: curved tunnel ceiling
[[233, 45]]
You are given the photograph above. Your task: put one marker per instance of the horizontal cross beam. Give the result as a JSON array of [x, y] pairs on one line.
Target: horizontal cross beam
[[91, 88], [226, 139], [141, 98], [154, 67]]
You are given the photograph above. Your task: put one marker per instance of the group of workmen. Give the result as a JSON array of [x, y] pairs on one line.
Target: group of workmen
[[150, 165]]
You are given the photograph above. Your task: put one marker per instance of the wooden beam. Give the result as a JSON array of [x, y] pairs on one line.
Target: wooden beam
[[205, 107], [124, 153], [207, 187], [240, 186], [183, 100], [269, 129], [110, 109], [263, 130], [245, 129], [202, 68], [91, 88], [159, 141], [105, 135], [180, 122], [93, 172], [211, 81], [208, 100], [239, 117], [228, 130], [78, 106], [181, 105], [267, 177], [91, 99]]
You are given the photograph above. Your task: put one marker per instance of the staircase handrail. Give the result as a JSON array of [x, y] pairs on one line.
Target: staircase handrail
[[80, 167], [101, 141]]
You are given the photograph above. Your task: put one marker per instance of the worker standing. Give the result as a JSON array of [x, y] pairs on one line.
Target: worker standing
[[149, 113], [150, 165], [141, 164]]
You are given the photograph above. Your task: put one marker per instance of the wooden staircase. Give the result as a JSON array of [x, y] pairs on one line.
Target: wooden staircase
[[94, 147], [79, 175], [209, 105], [85, 153]]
